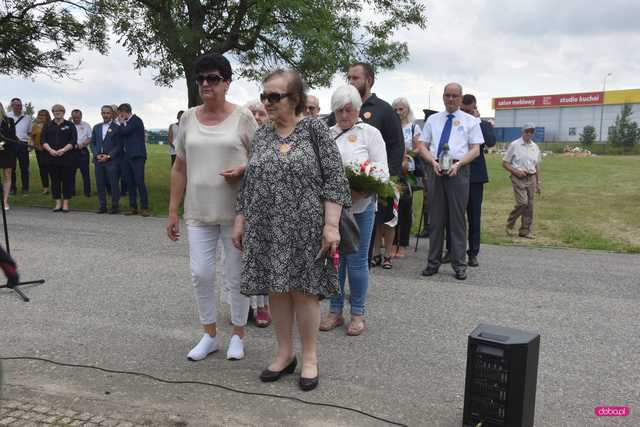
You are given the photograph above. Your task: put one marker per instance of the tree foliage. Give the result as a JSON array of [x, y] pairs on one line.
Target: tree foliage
[[316, 37], [625, 132], [588, 136], [39, 35]]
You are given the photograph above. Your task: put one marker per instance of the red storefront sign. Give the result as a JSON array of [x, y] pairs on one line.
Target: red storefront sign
[[565, 100]]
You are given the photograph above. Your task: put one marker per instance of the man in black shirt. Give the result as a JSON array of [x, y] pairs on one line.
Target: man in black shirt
[[379, 114]]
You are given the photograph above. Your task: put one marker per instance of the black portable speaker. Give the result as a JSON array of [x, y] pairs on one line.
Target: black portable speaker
[[502, 370]]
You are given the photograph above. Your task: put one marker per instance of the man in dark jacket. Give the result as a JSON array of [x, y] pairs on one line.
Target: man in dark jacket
[[135, 155], [477, 179], [106, 147]]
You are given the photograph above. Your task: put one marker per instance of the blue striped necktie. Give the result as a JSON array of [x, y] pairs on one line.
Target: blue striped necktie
[[446, 133]]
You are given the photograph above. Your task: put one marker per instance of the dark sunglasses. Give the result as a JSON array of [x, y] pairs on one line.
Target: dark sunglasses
[[212, 79], [532, 131], [273, 97]]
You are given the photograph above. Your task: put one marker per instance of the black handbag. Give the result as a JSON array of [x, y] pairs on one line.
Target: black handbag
[[348, 228]]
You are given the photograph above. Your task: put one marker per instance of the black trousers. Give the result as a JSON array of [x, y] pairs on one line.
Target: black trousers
[[61, 181], [474, 210], [43, 166], [405, 219], [22, 155], [82, 159]]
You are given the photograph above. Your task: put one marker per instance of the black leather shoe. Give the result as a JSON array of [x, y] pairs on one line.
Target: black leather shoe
[[101, 211], [473, 261], [308, 384], [461, 275], [446, 259], [429, 271], [114, 211], [268, 376]]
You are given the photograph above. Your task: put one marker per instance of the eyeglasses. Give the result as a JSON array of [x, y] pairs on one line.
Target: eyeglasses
[[529, 131], [212, 79], [273, 97]]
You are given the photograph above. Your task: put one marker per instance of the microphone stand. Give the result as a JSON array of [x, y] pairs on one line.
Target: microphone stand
[[6, 239]]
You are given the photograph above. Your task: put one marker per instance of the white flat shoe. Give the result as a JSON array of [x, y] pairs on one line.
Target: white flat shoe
[[236, 348], [206, 346]]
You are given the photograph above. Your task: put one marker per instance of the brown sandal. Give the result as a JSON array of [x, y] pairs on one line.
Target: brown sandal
[[331, 322], [356, 327]]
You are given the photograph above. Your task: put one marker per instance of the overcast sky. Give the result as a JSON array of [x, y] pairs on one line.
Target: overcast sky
[[494, 48]]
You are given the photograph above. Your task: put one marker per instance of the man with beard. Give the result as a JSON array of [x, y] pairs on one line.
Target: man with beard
[[379, 114]]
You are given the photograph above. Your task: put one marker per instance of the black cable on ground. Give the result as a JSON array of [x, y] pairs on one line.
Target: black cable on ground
[[223, 387]]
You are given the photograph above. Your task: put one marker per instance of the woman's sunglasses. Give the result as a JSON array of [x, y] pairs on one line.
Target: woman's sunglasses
[[273, 97], [212, 79]]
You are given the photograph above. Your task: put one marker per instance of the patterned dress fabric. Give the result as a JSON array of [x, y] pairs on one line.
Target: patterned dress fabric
[[282, 198]]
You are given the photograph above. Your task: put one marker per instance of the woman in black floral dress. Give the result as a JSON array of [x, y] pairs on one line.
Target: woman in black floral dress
[[287, 221]]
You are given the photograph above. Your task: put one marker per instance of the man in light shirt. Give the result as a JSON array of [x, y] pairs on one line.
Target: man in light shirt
[[522, 161], [82, 152], [23, 132], [312, 107], [449, 194]]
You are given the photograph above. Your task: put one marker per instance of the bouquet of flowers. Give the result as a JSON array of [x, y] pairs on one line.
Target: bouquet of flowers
[[369, 177]]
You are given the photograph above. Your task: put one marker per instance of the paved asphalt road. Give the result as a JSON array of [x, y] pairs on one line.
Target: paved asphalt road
[[117, 295]]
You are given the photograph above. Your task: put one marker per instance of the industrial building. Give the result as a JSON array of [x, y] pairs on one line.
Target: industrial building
[[563, 117]]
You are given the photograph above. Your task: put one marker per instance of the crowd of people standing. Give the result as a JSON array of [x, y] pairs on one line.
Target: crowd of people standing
[[64, 147], [267, 180]]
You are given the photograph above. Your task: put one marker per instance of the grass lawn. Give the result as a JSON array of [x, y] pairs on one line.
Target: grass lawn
[[587, 203]]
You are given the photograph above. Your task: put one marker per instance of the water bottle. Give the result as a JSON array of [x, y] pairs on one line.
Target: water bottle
[[445, 160]]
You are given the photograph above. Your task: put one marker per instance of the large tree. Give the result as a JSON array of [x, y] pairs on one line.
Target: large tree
[[316, 37], [38, 36]]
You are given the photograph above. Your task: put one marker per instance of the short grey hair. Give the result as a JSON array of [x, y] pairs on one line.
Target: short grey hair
[[344, 95], [458, 85], [405, 103]]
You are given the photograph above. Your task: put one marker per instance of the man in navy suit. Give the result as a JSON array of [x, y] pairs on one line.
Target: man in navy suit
[[106, 147], [135, 156]]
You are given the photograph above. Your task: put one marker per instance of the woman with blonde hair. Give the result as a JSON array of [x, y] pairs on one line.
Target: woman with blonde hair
[[7, 153], [411, 133], [59, 138]]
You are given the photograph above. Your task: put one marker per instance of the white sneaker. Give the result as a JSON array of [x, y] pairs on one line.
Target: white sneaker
[[207, 345], [236, 348]]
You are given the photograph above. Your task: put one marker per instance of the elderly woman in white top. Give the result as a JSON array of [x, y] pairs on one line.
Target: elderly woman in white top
[[212, 147], [357, 142]]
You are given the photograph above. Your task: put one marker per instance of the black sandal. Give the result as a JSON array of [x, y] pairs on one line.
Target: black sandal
[[376, 260], [386, 264]]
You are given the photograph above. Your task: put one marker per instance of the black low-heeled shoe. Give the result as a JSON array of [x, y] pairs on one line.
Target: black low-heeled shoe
[[57, 210], [308, 384], [268, 376]]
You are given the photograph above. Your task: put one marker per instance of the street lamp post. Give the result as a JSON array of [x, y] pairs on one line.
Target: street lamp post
[[604, 88]]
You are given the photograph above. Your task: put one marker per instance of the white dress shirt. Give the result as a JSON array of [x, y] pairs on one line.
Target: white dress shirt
[[362, 142], [84, 133], [465, 130], [23, 129], [105, 129], [523, 155]]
